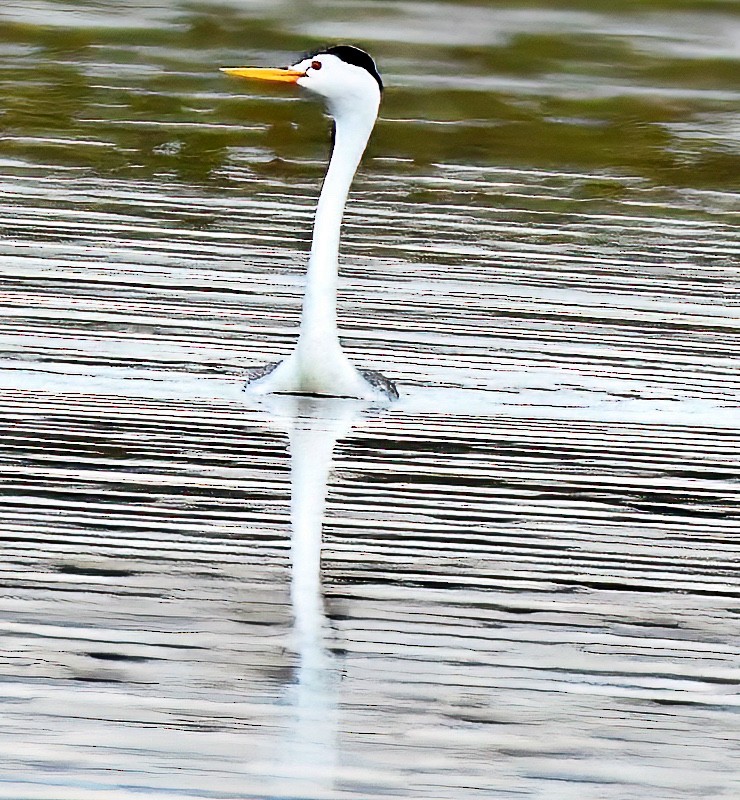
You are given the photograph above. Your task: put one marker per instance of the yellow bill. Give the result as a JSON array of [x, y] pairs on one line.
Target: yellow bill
[[265, 74]]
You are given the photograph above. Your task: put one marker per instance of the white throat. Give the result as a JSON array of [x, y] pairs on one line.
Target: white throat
[[319, 316], [318, 365]]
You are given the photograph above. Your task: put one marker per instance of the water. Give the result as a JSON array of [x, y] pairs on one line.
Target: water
[[520, 580]]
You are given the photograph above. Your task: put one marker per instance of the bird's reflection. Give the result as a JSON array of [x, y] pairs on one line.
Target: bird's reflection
[[313, 425]]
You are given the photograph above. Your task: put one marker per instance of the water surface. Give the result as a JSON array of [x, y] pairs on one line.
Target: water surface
[[520, 580]]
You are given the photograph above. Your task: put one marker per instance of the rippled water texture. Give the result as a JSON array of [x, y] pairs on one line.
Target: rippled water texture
[[518, 581]]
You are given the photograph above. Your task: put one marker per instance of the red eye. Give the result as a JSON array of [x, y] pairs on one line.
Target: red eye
[[316, 65]]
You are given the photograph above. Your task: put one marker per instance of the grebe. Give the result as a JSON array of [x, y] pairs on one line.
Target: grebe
[[347, 79]]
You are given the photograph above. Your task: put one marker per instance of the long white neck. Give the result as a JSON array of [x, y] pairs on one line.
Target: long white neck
[[319, 317]]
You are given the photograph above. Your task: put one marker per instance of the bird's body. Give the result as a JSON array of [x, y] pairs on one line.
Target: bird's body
[[346, 78]]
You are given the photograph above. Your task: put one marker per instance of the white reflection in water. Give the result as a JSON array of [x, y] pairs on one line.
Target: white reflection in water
[[313, 425]]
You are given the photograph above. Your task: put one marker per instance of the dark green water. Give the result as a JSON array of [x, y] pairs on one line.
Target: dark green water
[[518, 581], [638, 89]]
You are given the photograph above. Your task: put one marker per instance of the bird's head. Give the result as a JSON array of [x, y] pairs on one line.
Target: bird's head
[[344, 76]]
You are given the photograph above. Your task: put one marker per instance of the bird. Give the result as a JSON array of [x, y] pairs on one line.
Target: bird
[[347, 80]]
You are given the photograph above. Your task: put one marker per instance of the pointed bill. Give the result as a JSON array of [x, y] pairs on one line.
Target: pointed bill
[[265, 74]]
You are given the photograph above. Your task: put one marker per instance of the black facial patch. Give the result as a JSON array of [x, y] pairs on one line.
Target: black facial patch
[[351, 55]]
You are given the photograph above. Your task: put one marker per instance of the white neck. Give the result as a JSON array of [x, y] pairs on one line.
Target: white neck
[[319, 317]]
